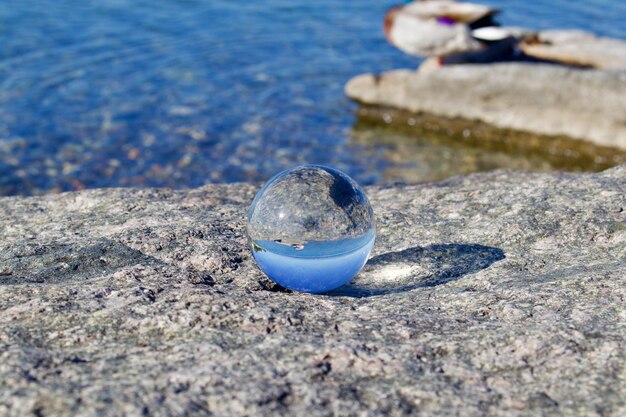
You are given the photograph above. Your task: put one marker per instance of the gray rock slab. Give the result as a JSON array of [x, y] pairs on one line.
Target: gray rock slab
[[492, 294], [578, 47], [545, 99]]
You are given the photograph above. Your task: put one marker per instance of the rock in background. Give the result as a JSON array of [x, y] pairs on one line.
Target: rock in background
[[578, 47], [499, 294], [540, 98]]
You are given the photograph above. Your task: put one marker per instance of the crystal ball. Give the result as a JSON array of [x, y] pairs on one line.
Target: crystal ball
[[311, 228]]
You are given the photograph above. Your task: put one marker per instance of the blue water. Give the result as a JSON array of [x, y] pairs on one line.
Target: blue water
[[183, 93], [315, 267]]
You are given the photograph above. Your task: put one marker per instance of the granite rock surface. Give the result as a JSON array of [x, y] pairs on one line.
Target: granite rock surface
[[545, 99], [492, 294]]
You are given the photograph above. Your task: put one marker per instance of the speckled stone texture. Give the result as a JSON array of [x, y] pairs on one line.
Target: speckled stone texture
[[492, 294]]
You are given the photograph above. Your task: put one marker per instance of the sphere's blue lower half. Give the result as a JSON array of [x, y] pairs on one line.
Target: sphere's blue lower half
[[310, 273]]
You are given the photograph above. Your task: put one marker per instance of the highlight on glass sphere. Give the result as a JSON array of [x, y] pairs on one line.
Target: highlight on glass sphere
[[311, 228]]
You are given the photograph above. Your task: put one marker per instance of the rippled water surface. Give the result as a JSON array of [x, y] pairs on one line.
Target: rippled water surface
[[182, 93]]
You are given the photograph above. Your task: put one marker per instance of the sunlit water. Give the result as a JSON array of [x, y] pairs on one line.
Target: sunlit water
[[182, 93]]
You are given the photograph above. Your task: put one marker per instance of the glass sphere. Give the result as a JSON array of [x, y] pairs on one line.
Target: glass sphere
[[311, 228]]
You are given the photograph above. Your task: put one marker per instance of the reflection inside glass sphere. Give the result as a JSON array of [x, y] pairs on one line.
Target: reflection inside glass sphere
[[311, 228]]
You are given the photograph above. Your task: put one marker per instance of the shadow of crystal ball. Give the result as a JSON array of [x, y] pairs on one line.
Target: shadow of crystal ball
[[311, 228]]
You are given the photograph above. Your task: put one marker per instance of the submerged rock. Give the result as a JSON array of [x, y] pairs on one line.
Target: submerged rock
[[538, 98], [498, 294]]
